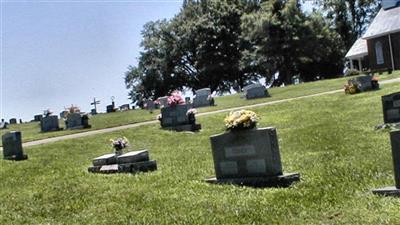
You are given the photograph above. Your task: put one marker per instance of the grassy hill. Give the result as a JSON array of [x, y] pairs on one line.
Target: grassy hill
[[31, 131], [330, 140]]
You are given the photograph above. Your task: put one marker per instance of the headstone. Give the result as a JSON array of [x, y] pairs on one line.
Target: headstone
[[150, 105], [255, 91], [395, 144], [110, 109], [131, 162], [202, 98], [363, 83], [174, 116], [93, 112], [249, 157], [77, 121], [391, 108], [20, 121], [49, 123], [163, 101], [12, 146], [13, 121], [125, 107]]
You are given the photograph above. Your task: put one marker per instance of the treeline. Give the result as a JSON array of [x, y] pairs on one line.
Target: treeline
[[224, 44]]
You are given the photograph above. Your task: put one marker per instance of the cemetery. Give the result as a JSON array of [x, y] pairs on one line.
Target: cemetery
[[283, 144], [336, 175]]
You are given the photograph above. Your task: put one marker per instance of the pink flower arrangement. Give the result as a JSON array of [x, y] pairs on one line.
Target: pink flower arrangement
[[175, 99]]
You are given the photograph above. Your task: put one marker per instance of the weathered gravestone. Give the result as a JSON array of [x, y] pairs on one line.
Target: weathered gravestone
[[255, 91], [37, 118], [131, 162], [77, 121], [110, 109], [12, 146], [49, 123], [125, 107], [364, 83], [163, 101], [393, 190], [249, 157], [93, 112], [13, 121], [391, 108], [203, 98], [176, 118], [150, 105]]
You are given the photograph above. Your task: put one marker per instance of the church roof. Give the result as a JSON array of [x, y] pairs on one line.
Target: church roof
[[386, 22], [359, 49]]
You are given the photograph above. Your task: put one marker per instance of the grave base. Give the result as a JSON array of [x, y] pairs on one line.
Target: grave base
[[59, 129], [16, 158], [387, 191], [125, 168], [185, 127], [79, 127], [284, 180]]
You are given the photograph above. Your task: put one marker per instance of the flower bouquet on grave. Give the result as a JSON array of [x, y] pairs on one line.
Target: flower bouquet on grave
[[350, 88], [191, 115], [175, 99], [241, 120], [119, 145]]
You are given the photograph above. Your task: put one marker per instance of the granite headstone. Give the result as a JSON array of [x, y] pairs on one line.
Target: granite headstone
[[391, 108], [12, 146]]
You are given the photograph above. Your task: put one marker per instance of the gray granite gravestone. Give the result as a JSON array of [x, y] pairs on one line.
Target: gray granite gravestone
[[130, 162], [37, 118], [364, 83], [77, 121], [163, 101], [93, 112], [391, 108], [175, 118], [249, 157], [202, 98], [110, 109], [150, 105], [393, 190], [255, 91], [12, 146], [49, 123], [13, 121], [125, 107]]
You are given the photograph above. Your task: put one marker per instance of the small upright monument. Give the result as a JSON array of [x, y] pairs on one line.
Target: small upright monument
[[253, 91], [12, 146], [49, 122], [393, 190], [94, 103], [177, 115], [111, 108], [203, 98], [248, 156], [391, 108]]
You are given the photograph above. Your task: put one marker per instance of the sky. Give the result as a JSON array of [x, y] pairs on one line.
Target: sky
[[58, 53]]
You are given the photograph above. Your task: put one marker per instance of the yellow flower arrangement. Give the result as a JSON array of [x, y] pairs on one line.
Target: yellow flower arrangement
[[243, 119]]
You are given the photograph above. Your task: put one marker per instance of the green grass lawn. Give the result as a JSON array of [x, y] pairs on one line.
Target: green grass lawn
[[31, 131], [330, 140]]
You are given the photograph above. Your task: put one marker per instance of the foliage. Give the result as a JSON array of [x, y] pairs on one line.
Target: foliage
[[239, 120]]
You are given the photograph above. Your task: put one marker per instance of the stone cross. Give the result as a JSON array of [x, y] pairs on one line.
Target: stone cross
[[95, 103]]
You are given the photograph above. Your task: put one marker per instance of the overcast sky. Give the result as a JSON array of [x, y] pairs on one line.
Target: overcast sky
[[58, 53]]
